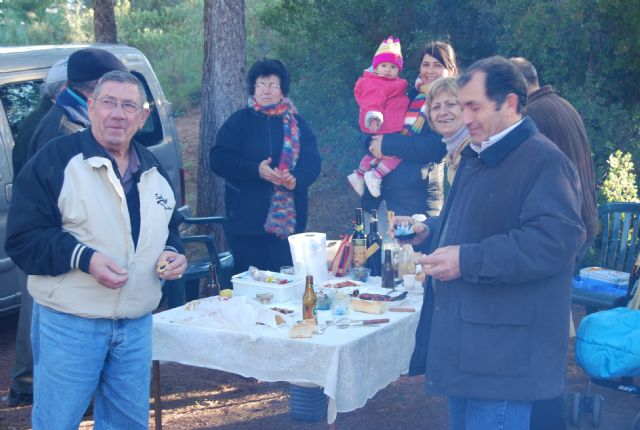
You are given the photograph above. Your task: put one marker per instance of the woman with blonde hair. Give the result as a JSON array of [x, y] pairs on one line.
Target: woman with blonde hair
[[445, 118]]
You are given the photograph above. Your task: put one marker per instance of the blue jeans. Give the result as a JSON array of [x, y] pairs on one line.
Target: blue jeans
[[76, 358], [478, 414]]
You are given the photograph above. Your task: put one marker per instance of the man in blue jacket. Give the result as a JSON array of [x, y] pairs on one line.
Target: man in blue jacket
[[498, 292]]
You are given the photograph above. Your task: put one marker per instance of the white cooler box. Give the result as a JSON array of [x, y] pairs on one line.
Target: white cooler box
[[245, 285]]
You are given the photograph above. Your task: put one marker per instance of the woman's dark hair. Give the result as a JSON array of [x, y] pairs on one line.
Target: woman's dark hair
[[443, 52], [502, 78], [268, 67]]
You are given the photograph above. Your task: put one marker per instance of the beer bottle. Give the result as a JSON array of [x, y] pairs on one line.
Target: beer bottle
[[309, 299], [213, 285], [374, 246], [359, 241], [388, 273]]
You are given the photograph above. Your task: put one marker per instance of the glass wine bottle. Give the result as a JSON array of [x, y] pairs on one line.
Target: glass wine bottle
[[374, 246]]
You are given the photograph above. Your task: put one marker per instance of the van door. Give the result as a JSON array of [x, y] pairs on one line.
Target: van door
[[16, 102]]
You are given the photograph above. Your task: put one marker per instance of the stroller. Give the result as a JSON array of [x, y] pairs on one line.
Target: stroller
[[608, 350]]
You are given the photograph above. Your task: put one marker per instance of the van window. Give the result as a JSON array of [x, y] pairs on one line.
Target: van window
[[19, 99]]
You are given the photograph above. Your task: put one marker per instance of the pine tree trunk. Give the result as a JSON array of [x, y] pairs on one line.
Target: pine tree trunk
[[104, 21], [223, 90]]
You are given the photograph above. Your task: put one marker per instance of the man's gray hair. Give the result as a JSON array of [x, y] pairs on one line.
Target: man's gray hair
[[122, 77]]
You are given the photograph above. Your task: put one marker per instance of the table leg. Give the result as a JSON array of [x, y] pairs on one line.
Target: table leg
[[157, 407]]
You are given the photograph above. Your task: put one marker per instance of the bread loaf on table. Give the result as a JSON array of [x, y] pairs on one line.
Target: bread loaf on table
[[370, 306], [303, 329]]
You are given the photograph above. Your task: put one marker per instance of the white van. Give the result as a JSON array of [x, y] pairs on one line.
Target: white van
[[22, 71]]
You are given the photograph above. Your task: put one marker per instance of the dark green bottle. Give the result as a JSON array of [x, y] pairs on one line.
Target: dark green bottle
[[374, 246]]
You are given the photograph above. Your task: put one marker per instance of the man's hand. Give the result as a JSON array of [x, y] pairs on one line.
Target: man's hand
[[268, 174], [374, 125], [375, 146], [171, 265], [106, 271], [288, 180], [443, 264]]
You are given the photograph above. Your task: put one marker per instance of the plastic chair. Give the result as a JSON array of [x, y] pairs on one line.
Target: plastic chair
[[618, 246], [188, 288]]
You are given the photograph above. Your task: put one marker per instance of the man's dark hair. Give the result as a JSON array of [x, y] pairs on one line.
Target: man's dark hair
[[82, 86], [502, 79], [526, 68], [268, 67]]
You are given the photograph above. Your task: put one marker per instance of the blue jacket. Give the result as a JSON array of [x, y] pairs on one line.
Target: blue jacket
[[417, 184], [500, 331]]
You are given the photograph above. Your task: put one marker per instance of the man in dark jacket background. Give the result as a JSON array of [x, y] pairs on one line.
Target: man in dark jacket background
[[69, 113], [562, 124], [52, 86], [501, 270]]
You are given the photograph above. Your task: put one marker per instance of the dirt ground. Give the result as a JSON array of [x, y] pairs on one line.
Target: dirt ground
[[196, 398]]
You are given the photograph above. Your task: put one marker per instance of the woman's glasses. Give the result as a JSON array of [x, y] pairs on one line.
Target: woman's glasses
[[263, 85]]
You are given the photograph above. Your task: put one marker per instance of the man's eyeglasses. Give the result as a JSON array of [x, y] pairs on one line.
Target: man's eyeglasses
[[271, 86], [126, 105]]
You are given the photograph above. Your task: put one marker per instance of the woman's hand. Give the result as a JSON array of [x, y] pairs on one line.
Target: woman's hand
[[268, 174], [288, 180], [375, 146]]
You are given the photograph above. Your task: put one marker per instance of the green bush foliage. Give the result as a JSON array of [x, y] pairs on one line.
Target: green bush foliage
[[171, 36], [620, 183], [587, 50]]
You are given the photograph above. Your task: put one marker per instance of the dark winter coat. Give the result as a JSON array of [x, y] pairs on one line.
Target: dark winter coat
[[562, 124], [20, 154], [67, 116], [243, 142], [404, 189], [500, 331]]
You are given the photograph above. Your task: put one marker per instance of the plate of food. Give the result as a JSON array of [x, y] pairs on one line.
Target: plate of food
[[342, 283], [376, 301]]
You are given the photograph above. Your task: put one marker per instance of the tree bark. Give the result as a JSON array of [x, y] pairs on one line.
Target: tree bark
[[104, 21], [223, 90]]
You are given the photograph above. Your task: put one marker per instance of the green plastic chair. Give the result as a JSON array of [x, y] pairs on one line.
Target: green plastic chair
[[617, 246], [188, 288]]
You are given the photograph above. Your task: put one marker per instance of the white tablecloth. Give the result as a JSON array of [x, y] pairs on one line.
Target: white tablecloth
[[351, 364]]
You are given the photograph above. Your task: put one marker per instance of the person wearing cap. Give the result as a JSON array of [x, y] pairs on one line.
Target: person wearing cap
[[382, 97], [69, 113], [94, 223], [52, 86]]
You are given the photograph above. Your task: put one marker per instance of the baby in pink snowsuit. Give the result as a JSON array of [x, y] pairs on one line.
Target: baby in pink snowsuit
[[383, 102]]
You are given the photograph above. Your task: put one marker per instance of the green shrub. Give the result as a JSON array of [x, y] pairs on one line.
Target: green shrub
[[172, 38], [620, 183]]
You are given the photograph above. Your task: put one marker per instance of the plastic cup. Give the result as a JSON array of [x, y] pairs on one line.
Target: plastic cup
[[409, 281]]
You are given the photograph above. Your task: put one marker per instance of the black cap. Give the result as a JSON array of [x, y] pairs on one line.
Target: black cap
[[90, 64]]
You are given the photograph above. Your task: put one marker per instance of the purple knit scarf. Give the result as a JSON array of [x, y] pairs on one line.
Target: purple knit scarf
[[281, 218]]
